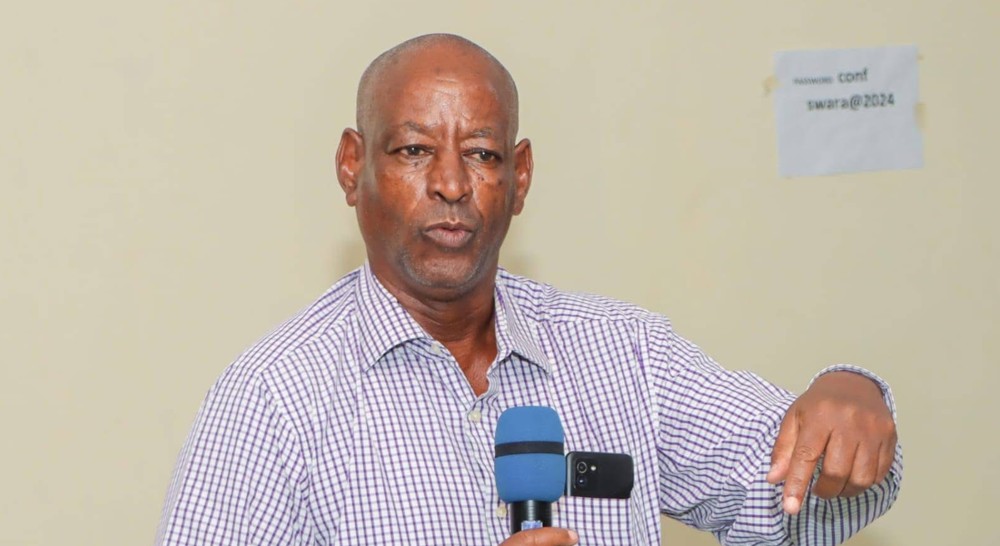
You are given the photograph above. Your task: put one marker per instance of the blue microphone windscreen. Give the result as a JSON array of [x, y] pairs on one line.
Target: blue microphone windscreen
[[530, 464]]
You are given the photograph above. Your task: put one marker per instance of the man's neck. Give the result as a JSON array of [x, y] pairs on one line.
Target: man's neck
[[465, 325]]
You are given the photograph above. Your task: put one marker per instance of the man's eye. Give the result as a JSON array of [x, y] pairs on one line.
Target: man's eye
[[413, 151], [485, 156]]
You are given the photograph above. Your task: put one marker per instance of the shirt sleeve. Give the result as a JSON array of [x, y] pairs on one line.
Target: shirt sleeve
[[716, 431], [240, 478]]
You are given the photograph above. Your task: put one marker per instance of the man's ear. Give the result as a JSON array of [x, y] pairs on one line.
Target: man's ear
[[350, 160], [524, 165]]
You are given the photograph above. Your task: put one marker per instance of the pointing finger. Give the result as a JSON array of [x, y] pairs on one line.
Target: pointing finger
[[783, 446], [805, 456]]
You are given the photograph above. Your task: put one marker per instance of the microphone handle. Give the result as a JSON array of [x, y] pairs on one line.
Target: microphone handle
[[529, 514]]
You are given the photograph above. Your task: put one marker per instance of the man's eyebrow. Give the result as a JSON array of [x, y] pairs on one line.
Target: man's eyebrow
[[482, 132], [415, 127]]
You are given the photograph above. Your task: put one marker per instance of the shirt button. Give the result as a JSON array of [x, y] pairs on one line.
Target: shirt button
[[501, 510], [475, 416], [437, 349]]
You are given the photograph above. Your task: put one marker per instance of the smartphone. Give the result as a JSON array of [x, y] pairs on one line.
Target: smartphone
[[598, 475]]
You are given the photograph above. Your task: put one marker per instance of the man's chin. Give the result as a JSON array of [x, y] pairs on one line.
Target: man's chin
[[448, 276]]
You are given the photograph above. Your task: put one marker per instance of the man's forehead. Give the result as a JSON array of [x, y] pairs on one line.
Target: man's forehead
[[416, 100], [411, 77], [441, 75]]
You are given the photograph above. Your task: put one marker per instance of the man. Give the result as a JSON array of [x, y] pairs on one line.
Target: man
[[369, 417]]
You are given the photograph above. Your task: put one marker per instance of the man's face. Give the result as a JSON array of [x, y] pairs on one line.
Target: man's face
[[440, 177]]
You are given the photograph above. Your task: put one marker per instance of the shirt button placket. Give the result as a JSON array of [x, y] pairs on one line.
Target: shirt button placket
[[478, 439]]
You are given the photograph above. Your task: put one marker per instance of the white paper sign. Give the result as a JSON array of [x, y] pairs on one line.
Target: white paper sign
[[847, 110]]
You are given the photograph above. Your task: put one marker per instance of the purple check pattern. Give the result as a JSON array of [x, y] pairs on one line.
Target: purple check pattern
[[350, 425]]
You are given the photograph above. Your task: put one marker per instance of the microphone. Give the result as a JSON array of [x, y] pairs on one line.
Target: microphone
[[529, 465]]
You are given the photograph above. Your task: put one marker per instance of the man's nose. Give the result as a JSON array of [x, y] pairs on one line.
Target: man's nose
[[449, 179]]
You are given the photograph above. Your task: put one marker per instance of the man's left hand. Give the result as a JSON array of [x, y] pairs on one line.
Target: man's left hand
[[842, 419]]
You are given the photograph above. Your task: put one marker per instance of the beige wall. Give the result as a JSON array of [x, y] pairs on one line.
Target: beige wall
[[167, 196]]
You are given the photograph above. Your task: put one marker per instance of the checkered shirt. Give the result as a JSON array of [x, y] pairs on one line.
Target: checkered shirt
[[350, 425]]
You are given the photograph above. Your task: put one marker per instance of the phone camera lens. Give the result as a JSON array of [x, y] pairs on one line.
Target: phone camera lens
[[581, 467], [581, 481]]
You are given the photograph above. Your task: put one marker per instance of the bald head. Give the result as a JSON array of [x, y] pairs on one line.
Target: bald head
[[394, 63]]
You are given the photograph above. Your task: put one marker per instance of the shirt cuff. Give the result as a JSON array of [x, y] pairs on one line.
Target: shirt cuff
[[890, 402]]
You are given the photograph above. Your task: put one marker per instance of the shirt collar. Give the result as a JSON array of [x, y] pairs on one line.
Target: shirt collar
[[384, 323], [515, 332]]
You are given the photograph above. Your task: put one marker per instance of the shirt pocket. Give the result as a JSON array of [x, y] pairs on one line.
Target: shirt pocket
[[599, 522]]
